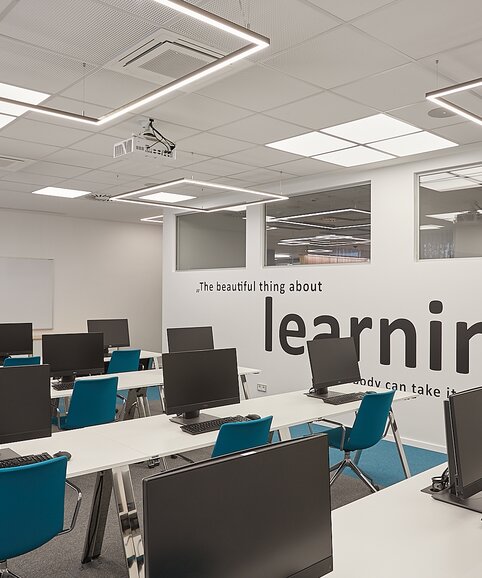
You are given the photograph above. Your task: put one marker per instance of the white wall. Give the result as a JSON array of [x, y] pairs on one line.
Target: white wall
[[102, 269], [393, 285]]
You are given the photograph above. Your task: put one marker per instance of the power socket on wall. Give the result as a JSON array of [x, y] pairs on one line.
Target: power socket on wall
[[262, 387]]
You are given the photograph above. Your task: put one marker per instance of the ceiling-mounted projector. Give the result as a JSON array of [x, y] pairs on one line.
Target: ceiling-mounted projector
[[149, 144]]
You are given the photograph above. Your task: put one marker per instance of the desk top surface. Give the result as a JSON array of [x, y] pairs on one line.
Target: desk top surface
[[120, 443], [402, 533]]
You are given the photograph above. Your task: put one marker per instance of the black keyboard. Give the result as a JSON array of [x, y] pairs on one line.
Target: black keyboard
[[344, 398], [213, 425], [63, 386], [24, 460]]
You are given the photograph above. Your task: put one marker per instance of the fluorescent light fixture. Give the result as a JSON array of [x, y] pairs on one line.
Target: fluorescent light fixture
[[354, 156], [430, 227], [17, 93], [317, 251], [451, 184], [159, 219], [58, 192], [437, 96], [6, 119], [310, 144], [371, 128], [452, 217], [411, 144], [256, 42], [167, 197], [238, 209], [319, 213], [139, 196], [282, 256]]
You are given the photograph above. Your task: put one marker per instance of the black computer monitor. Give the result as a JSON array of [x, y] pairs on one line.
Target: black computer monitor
[[116, 331], [463, 430], [71, 354], [189, 338], [264, 513], [15, 339], [25, 411], [196, 380], [333, 361]]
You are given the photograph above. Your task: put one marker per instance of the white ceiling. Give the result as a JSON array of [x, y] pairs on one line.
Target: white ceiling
[[329, 62]]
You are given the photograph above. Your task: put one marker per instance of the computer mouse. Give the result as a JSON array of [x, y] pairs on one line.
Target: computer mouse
[[253, 416], [64, 454]]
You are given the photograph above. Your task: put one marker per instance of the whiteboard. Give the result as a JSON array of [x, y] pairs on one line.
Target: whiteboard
[[27, 291]]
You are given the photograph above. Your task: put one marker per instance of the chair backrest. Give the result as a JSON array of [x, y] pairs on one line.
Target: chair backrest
[[11, 361], [243, 435], [32, 506], [93, 402], [371, 420], [124, 360]]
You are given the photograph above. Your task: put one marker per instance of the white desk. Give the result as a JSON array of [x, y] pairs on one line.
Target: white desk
[[154, 355], [110, 448], [403, 533]]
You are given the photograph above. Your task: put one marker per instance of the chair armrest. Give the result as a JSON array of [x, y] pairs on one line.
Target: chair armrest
[[343, 428], [58, 415], [76, 510]]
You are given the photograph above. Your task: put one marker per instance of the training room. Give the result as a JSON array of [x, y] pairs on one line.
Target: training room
[[240, 247]]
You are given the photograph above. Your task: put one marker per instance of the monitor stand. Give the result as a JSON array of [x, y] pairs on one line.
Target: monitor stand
[[7, 454], [323, 393], [473, 503], [190, 417]]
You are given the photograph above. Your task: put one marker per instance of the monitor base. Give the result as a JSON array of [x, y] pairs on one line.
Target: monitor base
[[322, 395], [7, 454], [199, 419], [473, 503]]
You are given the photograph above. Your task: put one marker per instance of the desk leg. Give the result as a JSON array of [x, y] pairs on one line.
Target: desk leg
[[284, 434], [244, 384], [398, 441], [155, 362], [98, 516]]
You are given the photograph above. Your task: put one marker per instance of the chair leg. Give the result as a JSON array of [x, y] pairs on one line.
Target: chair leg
[[335, 467], [340, 468], [363, 477], [5, 572]]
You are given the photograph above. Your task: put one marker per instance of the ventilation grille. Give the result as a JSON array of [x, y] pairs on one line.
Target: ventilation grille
[[174, 63], [102, 197]]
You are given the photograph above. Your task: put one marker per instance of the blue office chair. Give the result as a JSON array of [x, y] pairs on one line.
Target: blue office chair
[[124, 360], [13, 361], [93, 402], [367, 430], [243, 435], [32, 506]]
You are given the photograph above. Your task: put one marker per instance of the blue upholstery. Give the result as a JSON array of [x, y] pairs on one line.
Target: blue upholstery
[[12, 361], [32, 506], [243, 435], [369, 424], [93, 403], [124, 360]]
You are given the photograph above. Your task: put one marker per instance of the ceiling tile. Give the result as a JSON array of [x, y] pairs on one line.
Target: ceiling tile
[[463, 133], [260, 175], [40, 180], [339, 56], [461, 64], [198, 112], [422, 28], [211, 144], [303, 167], [183, 173], [349, 9], [24, 149], [54, 169], [99, 144], [107, 178], [258, 88], [134, 125], [399, 87], [71, 105], [260, 157], [259, 129], [17, 187], [321, 110], [218, 167], [43, 133], [79, 159], [417, 114], [81, 185]]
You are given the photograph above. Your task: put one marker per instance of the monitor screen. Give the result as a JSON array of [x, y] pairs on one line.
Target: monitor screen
[[16, 339], [189, 338], [333, 361], [73, 353], [258, 514], [25, 411], [195, 380], [465, 410], [116, 331]]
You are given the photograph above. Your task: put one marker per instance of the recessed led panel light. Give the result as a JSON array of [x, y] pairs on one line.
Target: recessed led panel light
[[319, 213], [354, 157], [6, 119], [17, 93], [371, 128], [430, 227], [282, 256], [451, 184], [310, 144], [448, 216], [238, 209], [58, 192], [438, 97], [255, 41], [167, 197], [472, 172], [435, 177], [412, 144], [156, 219]]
